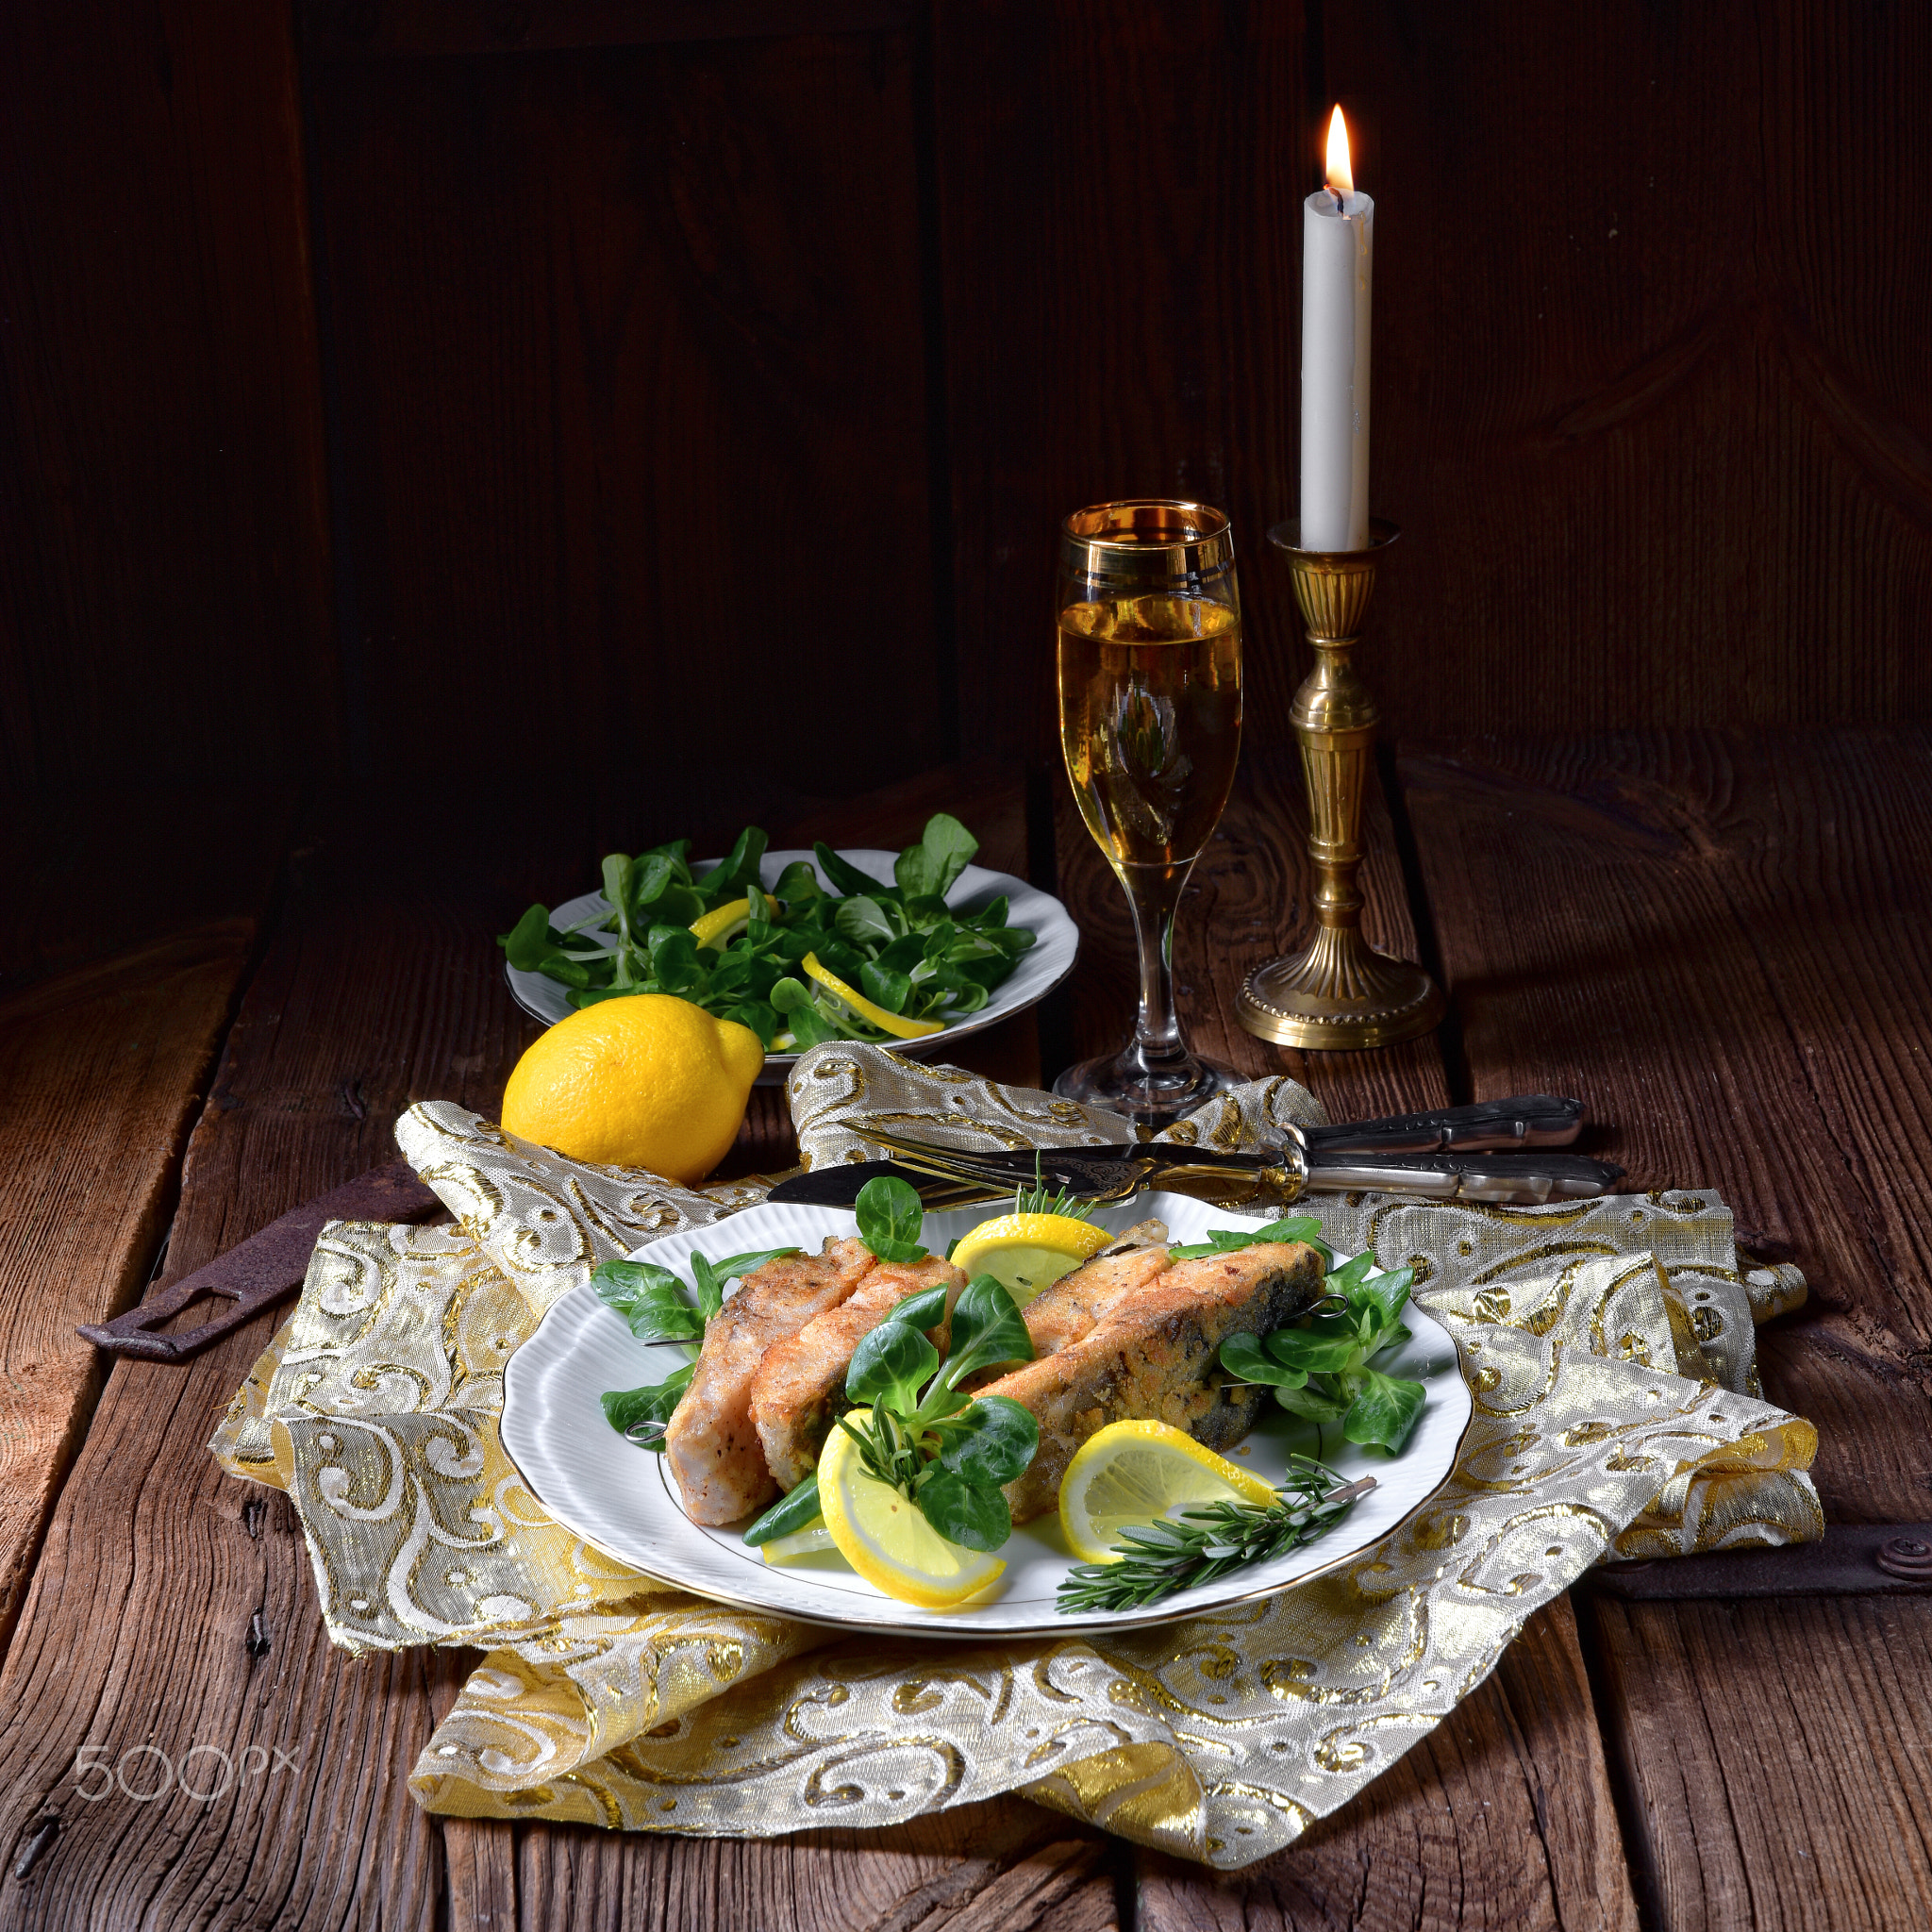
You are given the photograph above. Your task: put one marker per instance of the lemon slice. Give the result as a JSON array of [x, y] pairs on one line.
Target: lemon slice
[[722, 922], [898, 1028], [1024, 1252], [801, 1542], [887, 1540], [1137, 1472]]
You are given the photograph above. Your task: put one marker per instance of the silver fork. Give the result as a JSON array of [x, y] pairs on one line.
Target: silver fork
[[1282, 1173]]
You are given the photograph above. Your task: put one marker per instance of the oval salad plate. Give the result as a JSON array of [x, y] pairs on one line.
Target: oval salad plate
[[1056, 943], [623, 1500]]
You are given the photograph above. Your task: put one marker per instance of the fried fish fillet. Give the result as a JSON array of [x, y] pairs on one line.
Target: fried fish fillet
[[1154, 1355], [1067, 1310], [712, 1442], [800, 1383]]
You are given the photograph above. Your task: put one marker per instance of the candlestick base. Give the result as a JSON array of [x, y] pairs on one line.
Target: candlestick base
[[1337, 994]]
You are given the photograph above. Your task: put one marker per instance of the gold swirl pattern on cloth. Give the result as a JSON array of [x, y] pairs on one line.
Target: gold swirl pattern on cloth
[[1610, 1345]]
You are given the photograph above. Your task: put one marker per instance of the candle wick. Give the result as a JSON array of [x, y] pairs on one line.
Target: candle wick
[[1341, 202]]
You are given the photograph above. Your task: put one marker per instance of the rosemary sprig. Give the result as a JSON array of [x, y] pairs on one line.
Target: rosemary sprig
[[1036, 1200], [1158, 1559]]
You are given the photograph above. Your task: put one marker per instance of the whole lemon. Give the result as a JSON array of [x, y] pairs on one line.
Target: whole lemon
[[646, 1081]]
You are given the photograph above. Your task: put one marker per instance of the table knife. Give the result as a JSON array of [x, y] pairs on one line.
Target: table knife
[[1276, 1176]]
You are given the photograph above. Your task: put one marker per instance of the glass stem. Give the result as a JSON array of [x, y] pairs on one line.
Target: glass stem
[[1153, 891]]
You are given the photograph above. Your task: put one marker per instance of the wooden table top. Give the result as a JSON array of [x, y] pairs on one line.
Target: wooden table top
[[1719, 941]]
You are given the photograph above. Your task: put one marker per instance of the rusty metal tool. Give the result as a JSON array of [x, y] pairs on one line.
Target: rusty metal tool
[[258, 1273]]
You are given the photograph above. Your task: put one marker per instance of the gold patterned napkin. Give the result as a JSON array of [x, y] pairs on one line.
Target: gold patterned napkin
[[1610, 1345]]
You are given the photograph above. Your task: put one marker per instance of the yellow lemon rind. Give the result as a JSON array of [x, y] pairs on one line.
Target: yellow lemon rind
[[721, 922], [866, 1009], [840, 1474], [1102, 1447], [1063, 1233]]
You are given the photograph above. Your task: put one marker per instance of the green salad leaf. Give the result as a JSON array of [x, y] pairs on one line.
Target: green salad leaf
[[889, 1216], [659, 1307], [1229, 1241], [897, 942], [1323, 1367]]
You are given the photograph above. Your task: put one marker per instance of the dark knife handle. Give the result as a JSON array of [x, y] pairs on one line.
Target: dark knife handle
[[261, 1270], [1523, 1120], [838, 1186]]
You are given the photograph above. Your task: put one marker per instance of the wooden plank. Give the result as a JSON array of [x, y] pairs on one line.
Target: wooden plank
[[480, 1868], [1776, 1756], [163, 599], [1248, 901], [1501, 1816], [1120, 230], [1702, 936], [1005, 1866], [633, 415], [103, 1071], [174, 1608], [1658, 446]]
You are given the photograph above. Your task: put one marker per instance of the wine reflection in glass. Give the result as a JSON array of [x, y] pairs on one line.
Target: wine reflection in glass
[[1150, 696]]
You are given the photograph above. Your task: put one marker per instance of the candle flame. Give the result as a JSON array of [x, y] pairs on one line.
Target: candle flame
[[1339, 176]]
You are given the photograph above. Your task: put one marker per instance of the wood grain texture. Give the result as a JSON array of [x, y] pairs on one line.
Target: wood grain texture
[[1005, 1866], [1121, 283], [174, 1606], [163, 577], [102, 1071], [1500, 1816], [1776, 1755], [1643, 399], [1247, 901], [1706, 937], [633, 471], [480, 1871]]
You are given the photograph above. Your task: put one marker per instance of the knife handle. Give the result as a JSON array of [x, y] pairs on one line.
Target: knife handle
[[1521, 1179], [1523, 1120]]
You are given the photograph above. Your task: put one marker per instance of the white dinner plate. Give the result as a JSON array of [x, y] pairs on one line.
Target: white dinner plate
[[622, 1499], [1041, 968]]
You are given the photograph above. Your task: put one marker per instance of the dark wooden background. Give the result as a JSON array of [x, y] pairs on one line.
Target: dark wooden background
[[427, 391]]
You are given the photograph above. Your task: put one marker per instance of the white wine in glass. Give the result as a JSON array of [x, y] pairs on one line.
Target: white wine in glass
[[1150, 698]]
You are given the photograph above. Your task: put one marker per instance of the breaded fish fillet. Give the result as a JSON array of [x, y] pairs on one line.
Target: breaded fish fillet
[[1153, 1355], [802, 1383], [712, 1442], [1065, 1311]]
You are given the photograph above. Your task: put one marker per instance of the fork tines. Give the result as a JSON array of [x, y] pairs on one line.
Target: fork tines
[[943, 1163]]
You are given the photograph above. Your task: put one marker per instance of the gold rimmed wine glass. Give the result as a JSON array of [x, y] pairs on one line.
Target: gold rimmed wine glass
[[1149, 696]]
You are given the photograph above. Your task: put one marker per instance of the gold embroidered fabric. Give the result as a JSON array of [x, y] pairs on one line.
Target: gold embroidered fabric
[[1610, 1345]]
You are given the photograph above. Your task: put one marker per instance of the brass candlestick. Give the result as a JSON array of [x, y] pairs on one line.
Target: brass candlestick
[[1336, 993]]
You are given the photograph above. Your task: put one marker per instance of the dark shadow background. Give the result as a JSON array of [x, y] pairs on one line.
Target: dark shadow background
[[681, 398]]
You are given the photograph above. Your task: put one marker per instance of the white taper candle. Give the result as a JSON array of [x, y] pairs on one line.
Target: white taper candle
[[1338, 267]]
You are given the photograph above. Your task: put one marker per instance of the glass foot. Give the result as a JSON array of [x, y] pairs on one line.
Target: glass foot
[[1151, 1096]]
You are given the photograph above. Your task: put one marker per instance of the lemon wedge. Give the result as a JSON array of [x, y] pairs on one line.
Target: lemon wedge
[[801, 1542], [887, 1540], [722, 922], [1137, 1472], [892, 1023], [1024, 1252]]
